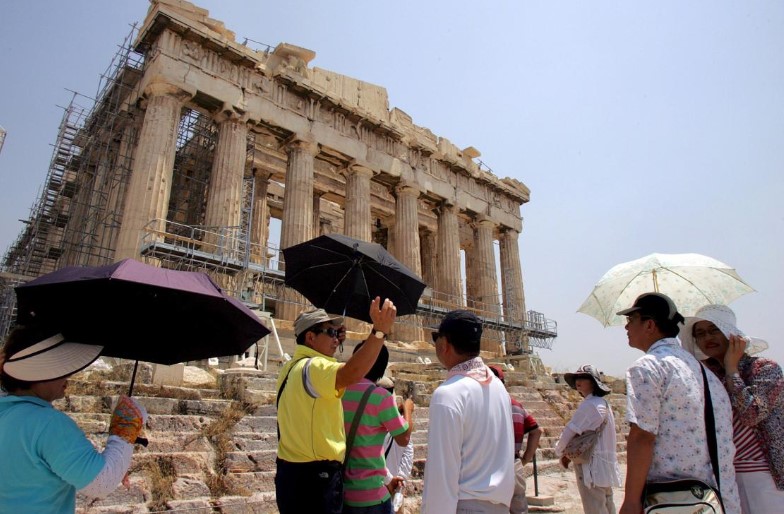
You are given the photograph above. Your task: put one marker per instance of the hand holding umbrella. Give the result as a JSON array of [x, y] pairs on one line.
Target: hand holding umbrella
[[383, 315], [341, 274]]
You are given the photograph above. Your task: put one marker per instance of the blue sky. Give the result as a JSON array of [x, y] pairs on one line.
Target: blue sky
[[639, 127]]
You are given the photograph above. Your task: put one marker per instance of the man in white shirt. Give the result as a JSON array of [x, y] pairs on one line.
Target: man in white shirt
[[665, 401], [470, 441]]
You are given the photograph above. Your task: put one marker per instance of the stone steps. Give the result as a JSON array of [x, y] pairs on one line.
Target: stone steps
[[218, 458]]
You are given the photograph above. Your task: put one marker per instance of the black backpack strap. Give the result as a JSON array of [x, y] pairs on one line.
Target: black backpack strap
[[355, 422], [710, 429], [280, 392], [389, 446]]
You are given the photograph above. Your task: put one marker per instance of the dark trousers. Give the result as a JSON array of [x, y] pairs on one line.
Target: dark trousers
[[309, 487]]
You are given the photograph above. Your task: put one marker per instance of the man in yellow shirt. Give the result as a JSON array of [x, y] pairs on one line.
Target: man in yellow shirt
[[312, 442]]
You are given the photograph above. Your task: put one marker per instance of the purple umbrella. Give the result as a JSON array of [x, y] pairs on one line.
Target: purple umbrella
[[141, 312]]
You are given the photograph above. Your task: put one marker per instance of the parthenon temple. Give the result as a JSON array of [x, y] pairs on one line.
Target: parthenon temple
[[203, 153]]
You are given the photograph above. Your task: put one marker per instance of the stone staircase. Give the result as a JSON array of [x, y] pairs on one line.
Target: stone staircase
[[213, 449]]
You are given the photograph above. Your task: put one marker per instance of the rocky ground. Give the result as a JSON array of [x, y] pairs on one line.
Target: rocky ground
[[562, 486]]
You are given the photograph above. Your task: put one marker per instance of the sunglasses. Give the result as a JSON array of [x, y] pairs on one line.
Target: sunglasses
[[435, 336], [331, 332]]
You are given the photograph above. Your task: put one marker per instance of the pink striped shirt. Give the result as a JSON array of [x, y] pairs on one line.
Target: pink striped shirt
[[749, 456], [366, 467]]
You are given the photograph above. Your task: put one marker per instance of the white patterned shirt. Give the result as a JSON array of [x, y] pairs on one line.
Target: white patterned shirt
[[664, 392], [602, 469]]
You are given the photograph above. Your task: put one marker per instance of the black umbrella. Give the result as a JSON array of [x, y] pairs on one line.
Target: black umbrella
[[140, 312], [341, 274]]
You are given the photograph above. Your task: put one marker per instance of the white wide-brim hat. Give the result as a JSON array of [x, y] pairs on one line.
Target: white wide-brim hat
[[724, 319], [588, 371], [50, 359]]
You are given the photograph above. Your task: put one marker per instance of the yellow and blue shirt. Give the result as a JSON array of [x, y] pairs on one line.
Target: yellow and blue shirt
[[310, 412]]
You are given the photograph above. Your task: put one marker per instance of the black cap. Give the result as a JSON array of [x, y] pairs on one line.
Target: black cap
[[462, 323], [656, 305]]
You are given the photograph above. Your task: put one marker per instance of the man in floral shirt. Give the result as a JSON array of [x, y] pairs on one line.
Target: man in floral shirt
[[665, 401]]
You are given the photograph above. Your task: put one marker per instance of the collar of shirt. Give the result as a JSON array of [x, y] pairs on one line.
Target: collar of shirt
[[667, 341], [303, 351]]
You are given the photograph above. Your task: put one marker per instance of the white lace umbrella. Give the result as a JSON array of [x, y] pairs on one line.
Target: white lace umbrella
[[690, 279]]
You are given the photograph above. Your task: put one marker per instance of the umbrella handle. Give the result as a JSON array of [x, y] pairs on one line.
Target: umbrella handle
[[133, 379], [139, 440]]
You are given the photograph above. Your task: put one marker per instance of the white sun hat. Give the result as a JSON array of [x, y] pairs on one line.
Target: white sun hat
[[52, 358], [724, 319]]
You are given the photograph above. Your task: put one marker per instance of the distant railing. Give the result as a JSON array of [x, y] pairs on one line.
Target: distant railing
[[228, 250]]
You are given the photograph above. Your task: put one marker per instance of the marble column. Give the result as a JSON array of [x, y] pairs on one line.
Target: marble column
[[427, 245], [512, 285], [449, 293], [119, 187], [260, 218], [317, 214], [406, 250], [224, 194], [471, 280], [487, 305], [391, 226], [150, 186], [297, 223], [357, 220]]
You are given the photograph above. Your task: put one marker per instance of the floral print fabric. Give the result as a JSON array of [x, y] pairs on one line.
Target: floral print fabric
[[665, 397]]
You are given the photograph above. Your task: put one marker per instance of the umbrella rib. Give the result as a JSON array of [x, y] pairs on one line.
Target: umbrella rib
[[317, 267], [337, 285], [696, 287], [391, 283], [606, 314]]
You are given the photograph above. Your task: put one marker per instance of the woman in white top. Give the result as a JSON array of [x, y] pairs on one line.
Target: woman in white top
[[599, 472]]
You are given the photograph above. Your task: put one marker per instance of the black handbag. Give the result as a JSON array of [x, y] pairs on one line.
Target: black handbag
[[689, 496]]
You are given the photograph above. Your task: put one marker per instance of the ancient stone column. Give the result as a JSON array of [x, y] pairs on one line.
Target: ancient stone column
[[406, 250], [150, 186], [224, 194], [486, 289], [512, 285], [449, 294], [297, 223], [357, 221], [407, 226], [391, 225], [117, 193], [317, 214], [471, 291], [427, 244], [260, 218]]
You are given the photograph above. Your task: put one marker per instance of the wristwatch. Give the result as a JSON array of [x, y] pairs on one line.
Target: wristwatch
[[377, 333]]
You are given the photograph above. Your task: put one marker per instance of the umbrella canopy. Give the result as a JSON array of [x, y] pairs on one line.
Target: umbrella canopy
[[690, 279], [341, 274], [141, 312]]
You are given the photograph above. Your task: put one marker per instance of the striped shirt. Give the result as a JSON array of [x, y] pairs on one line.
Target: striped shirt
[[366, 468], [749, 456], [522, 423]]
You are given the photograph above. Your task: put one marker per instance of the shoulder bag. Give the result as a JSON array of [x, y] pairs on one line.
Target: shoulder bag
[[689, 496], [579, 447]]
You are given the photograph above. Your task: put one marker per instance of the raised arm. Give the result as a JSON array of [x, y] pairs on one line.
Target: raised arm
[[408, 415], [356, 367], [753, 399]]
